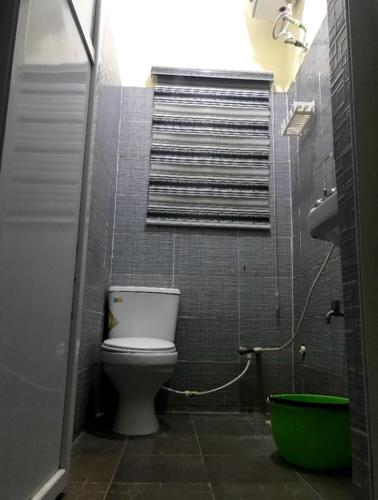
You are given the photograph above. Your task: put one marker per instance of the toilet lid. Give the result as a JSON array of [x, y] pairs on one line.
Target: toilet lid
[[134, 344]]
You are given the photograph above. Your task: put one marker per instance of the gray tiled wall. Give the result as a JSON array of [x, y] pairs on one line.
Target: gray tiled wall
[[347, 202], [323, 368], [100, 237], [226, 277]]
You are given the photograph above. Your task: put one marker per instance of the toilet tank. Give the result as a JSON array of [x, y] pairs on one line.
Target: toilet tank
[[143, 312]]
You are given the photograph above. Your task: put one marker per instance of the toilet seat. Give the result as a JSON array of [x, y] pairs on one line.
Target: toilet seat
[[138, 345], [139, 351]]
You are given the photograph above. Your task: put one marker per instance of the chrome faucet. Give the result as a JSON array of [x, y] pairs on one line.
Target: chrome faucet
[[335, 311]]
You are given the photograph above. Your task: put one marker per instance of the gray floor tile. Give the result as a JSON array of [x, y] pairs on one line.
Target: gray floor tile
[[246, 469], [258, 417], [237, 445], [94, 467], [331, 486], [173, 425], [218, 445], [265, 491], [84, 496], [160, 491], [156, 468], [289, 491], [165, 444], [238, 491], [76, 490], [239, 457], [95, 458], [218, 425], [261, 430], [95, 444], [261, 445]]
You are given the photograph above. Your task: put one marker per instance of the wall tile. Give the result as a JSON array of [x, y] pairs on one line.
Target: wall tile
[[202, 251], [91, 338], [130, 214], [96, 281], [312, 170], [133, 175], [158, 280], [258, 257], [270, 373], [100, 235], [207, 339], [282, 224], [262, 332], [208, 296], [144, 253], [258, 298]]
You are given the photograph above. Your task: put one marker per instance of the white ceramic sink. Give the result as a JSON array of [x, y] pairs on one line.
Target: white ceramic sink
[[322, 220]]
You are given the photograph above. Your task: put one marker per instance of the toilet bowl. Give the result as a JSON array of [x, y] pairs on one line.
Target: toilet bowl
[[137, 373], [139, 356]]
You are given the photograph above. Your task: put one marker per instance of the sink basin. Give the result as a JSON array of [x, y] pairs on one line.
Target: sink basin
[[322, 220]]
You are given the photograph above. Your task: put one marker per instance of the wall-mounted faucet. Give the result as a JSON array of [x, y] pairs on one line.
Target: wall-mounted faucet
[[335, 311]]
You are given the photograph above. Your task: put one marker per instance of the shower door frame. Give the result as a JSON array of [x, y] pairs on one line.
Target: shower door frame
[[58, 481], [8, 26]]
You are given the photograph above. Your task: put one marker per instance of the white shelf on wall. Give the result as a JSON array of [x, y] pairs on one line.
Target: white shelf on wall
[[299, 116]]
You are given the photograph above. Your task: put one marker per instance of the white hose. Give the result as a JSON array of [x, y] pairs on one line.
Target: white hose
[[283, 16], [282, 22], [258, 350], [188, 393]]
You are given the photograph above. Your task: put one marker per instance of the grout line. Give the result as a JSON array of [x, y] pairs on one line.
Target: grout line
[[201, 455], [196, 436], [173, 257], [274, 195], [309, 485], [75, 441], [239, 317], [292, 258], [87, 309], [116, 184], [320, 91], [115, 470]]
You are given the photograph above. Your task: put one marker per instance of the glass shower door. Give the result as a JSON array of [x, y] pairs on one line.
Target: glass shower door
[[40, 192]]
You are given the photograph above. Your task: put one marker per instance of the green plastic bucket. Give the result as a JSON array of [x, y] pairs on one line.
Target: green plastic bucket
[[312, 431]]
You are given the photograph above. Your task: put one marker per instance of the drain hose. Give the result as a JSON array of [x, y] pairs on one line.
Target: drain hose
[[189, 393]]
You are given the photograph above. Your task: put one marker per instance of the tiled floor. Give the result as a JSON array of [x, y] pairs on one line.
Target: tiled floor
[[196, 457]]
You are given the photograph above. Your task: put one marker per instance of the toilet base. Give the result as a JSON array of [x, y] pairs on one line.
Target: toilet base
[[136, 418], [137, 387]]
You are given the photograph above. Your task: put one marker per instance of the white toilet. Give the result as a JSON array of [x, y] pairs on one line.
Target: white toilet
[[140, 355]]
